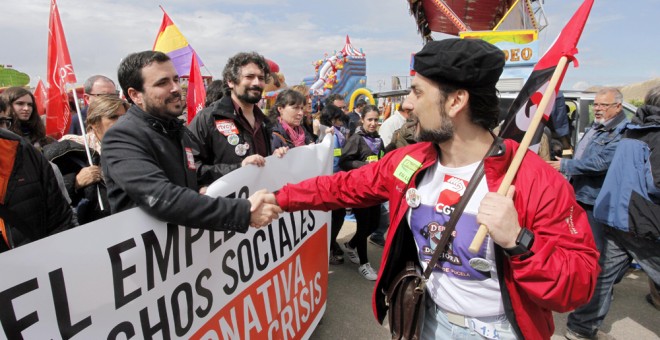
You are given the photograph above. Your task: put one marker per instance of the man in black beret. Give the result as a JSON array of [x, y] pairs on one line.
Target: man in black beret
[[540, 245]]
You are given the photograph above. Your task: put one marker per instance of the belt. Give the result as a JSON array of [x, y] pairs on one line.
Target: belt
[[456, 319]]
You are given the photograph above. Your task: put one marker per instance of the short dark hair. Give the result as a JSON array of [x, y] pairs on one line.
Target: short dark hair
[[483, 103], [89, 83], [331, 98], [129, 73], [331, 112], [653, 96], [288, 97], [232, 71], [214, 91]]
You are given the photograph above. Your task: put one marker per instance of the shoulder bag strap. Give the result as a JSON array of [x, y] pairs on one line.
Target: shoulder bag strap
[[458, 211]]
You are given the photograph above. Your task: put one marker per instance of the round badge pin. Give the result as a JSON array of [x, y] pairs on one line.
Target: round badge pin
[[233, 139], [480, 264], [412, 198], [240, 150]]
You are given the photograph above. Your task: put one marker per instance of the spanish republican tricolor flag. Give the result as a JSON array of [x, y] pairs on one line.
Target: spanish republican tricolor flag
[[171, 42]]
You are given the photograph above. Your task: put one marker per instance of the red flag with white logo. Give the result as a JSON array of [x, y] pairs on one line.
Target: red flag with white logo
[[196, 96], [59, 73], [524, 106]]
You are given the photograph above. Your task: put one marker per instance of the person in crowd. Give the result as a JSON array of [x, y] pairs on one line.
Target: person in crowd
[[309, 123], [365, 146], [96, 86], [287, 121], [355, 116], [31, 203], [404, 136], [393, 123], [26, 120], [629, 205], [337, 100], [333, 117], [593, 155], [214, 92], [539, 246], [147, 155], [233, 131], [84, 182], [386, 131]]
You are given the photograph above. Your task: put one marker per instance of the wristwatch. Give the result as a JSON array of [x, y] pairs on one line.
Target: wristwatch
[[524, 243]]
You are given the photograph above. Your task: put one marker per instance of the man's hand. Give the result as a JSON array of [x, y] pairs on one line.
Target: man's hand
[[280, 152], [257, 160], [88, 176], [499, 214], [556, 164], [263, 208], [202, 190]]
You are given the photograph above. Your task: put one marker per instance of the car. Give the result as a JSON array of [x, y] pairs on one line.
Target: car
[[580, 110]]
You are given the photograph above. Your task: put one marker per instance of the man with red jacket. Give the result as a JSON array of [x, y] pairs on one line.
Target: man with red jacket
[[540, 255]]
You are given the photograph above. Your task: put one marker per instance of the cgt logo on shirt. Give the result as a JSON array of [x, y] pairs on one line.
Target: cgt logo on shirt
[[226, 127], [451, 190]]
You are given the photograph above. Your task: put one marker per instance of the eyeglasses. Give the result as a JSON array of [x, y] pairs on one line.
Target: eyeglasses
[[6, 122], [116, 93], [604, 105]]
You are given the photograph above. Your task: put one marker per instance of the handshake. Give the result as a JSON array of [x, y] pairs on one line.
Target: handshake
[[263, 208]]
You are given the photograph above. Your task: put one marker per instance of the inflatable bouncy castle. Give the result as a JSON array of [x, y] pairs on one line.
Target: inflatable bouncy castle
[[344, 72]]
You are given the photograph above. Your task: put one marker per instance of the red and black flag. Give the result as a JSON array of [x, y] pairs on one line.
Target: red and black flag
[[524, 106]]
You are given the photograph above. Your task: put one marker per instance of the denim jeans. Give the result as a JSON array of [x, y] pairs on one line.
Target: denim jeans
[[620, 249], [437, 326], [597, 228]]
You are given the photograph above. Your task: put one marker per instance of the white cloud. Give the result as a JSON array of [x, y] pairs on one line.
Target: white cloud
[[581, 86]]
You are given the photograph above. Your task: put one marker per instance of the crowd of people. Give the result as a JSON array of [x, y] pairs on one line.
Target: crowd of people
[[554, 244]]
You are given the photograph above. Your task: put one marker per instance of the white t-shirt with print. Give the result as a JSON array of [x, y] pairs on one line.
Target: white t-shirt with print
[[457, 287]]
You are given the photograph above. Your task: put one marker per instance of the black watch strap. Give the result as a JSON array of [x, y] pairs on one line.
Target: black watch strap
[[523, 243]]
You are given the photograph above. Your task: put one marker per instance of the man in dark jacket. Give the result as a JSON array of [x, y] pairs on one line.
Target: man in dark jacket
[[31, 203], [233, 131], [629, 205], [148, 155]]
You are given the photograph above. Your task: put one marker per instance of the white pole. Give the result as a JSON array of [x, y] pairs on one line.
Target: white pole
[[84, 135]]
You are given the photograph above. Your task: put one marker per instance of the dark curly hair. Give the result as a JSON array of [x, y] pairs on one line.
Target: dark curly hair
[[232, 71]]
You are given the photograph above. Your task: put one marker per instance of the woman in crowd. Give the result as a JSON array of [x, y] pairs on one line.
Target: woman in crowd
[[26, 120], [287, 121], [333, 117], [363, 147], [80, 178]]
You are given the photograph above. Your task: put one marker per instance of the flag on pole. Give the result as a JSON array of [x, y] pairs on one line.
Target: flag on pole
[[524, 106], [60, 72], [196, 96], [41, 97], [171, 42]]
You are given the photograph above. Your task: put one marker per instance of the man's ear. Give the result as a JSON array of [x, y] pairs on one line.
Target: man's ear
[[457, 102], [135, 96]]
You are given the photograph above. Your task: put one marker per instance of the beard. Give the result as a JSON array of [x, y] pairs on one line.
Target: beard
[[162, 110], [250, 98], [440, 135]]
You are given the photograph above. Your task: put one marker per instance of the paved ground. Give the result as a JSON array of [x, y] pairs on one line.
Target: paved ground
[[349, 315]]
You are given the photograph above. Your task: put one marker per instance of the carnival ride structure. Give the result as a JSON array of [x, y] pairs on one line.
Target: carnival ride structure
[[344, 72]]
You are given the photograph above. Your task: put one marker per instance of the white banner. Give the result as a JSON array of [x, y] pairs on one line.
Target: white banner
[[130, 276]]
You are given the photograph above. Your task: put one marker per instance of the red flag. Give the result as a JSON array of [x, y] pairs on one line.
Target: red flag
[[524, 106], [40, 96], [60, 72], [196, 92]]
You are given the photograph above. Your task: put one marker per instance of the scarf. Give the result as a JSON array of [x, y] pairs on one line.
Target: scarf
[[297, 134], [372, 139]]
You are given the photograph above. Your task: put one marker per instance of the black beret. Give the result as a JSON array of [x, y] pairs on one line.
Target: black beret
[[471, 63]]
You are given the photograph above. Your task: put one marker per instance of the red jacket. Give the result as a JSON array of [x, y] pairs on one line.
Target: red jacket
[[559, 276]]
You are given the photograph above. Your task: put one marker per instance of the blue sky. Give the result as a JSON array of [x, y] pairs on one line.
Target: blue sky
[[619, 44]]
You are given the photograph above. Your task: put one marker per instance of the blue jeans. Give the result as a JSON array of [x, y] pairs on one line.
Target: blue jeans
[[437, 326], [597, 228], [620, 249], [384, 222]]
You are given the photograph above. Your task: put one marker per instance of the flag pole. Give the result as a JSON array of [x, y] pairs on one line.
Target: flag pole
[[522, 149], [85, 142]]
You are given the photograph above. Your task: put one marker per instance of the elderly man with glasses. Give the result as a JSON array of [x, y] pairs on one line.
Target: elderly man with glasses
[[95, 86], [593, 154]]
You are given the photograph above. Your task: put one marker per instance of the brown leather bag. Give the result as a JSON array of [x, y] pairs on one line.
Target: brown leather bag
[[406, 294]]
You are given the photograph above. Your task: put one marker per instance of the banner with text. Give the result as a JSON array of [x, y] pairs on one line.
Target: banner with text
[[130, 276]]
